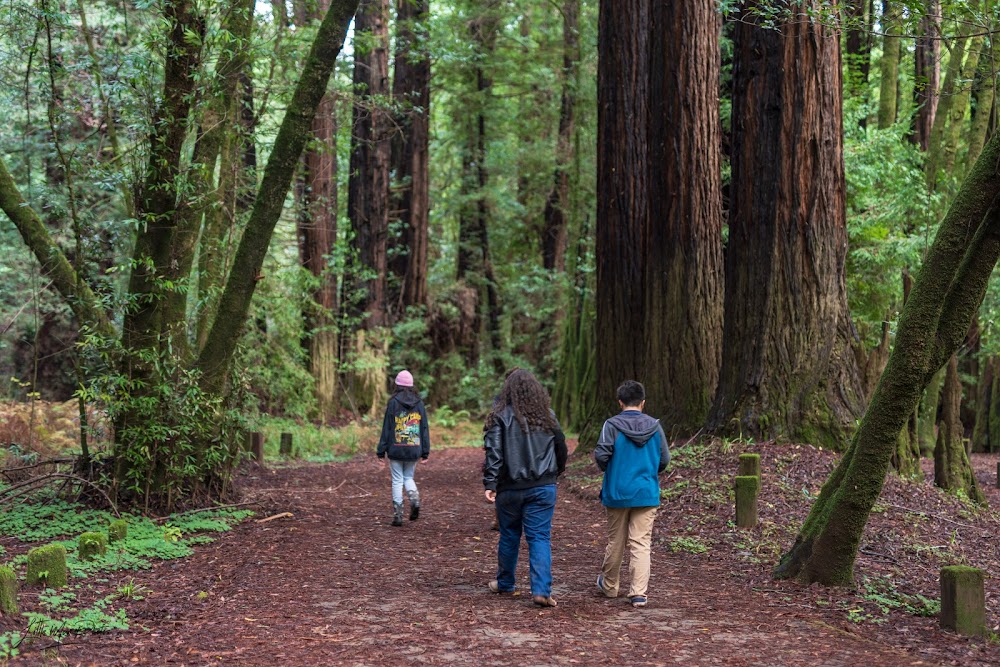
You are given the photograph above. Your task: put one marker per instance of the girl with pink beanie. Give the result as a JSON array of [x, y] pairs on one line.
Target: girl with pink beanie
[[405, 440]]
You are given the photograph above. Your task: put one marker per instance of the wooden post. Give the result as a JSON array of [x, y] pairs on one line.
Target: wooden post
[[998, 475], [963, 600], [746, 500], [8, 590], [749, 465], [286, 444], [255, 446]]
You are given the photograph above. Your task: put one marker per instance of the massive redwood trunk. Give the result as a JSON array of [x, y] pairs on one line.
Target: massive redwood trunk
[[658, 231], [368, 187], [410, 151], [788, 369]]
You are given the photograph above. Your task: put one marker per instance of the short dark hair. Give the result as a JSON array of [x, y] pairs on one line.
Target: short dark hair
[[631, 393]]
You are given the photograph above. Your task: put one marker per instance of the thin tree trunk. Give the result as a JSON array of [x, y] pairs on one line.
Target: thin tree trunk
[[981, 430], [788, 366], [933, 323], [949, 90], [986, 94], [955, 128], [927, 73], [889, 65], [952, 470], [857, 52]]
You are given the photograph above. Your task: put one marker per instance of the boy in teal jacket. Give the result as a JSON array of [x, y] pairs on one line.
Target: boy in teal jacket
[[632, 451]]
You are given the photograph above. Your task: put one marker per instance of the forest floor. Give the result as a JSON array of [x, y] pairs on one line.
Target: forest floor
[[335, 584]]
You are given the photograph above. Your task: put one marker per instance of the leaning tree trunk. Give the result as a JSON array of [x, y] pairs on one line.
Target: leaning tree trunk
[[927, 73], [410, 153], [933, 323], [949, 90], [959, 106], [294, 132], [952, 469], [788, 367], [984, 118]]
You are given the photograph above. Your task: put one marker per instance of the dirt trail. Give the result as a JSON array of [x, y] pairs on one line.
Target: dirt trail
[[336, 585]]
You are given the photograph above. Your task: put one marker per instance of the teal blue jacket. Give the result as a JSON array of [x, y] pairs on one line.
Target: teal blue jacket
[[632, 451]]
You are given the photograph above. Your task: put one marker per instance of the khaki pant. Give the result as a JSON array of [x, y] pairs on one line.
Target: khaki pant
[[634, 526]]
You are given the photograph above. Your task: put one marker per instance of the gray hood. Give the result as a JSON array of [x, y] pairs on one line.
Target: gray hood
[[637, 426]]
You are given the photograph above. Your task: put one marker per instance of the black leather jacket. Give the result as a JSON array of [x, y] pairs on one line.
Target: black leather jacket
[[519, 460]]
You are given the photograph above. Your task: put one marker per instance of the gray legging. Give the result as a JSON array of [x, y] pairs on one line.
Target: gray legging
[[402, 477]]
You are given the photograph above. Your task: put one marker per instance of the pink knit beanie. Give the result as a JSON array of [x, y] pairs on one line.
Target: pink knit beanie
[[404, 379]]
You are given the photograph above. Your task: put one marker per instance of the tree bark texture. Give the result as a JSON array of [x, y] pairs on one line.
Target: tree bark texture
[[983, 119], [956, 127], [410, 154], [293, 134], [952, 469], [889, 65], [949, 91], [927, 73], [317, 238], [658, 233], [984, 399], [934, 322], [788, 367], [557, 204], [368, 184]]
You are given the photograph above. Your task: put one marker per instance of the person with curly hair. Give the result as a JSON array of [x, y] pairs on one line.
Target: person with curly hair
[[525, 453]]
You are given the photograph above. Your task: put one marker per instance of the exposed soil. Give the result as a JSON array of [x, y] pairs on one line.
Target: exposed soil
[[334, 584]]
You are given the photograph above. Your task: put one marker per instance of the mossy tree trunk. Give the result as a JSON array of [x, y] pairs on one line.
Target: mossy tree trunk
[[949, 92], [294, 132], [789, 369], [952, 469], [658, 243], [927, 416], [934, 321], [985, 94]]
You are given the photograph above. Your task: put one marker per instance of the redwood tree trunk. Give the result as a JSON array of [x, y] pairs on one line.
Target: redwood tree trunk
[[410, 151], [788, 369], [889, 65], [368, 186], [317, 238], [927, 73]]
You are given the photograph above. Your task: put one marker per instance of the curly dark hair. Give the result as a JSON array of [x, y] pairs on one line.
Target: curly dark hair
[[526, 395]]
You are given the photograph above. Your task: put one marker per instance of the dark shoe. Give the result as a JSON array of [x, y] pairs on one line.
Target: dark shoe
[[397, 514], [543, 600], [638, 600], [495, 587], [414, 504], [601, 588]]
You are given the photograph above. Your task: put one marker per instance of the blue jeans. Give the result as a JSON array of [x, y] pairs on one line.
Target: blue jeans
[[529, 510], [402, 476]]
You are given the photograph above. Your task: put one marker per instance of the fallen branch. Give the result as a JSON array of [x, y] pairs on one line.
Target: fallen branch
[[283, 515], [37, 465], [28, 486]]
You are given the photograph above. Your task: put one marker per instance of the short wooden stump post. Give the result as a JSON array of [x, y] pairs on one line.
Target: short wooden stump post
[[963, 600], [749, 465], [746, 500], [286, 444], [8, 590], [255, 446], [47, 566]]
